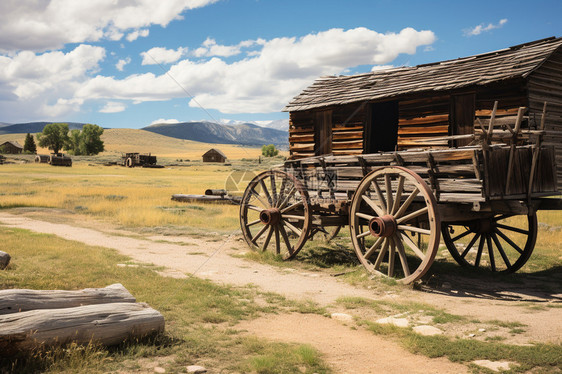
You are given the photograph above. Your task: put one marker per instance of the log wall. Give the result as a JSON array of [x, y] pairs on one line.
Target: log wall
[[545, 84]]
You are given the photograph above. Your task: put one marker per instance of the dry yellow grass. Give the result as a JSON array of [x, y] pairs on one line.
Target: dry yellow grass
[[119, 141]]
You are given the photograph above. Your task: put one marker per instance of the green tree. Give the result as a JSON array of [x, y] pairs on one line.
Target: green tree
[[269, 150], [54, 136], [85, 142], [29, 146]]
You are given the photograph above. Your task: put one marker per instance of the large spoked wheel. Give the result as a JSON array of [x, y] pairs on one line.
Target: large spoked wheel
[[395, 224], [500, 243], [275, 214]]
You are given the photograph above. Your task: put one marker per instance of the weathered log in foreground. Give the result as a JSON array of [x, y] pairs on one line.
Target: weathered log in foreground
[[19, 300], [4, 260], [107, 324]]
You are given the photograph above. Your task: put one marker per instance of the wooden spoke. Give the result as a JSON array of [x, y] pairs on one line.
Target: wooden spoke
[[258, 196], [500, 250], [479, 253], [380, 212], [491, 252], [410, 243], [253, 207], [412, 215], [286, 238], [277, 240], [398, 197], [509, 241], [380, 196], [391, 255], [268, 238], [364, 216], [402, 255], [461, 235], [469, 246], [373, 248], [254, 240], [380, 257], [253, 223], [291, 207], [281, 191], [273, 191], [389, 200], [414, 229], [286, 199], [364, 234], [266, 192], [293, 228], [514, 229], [407, 203]]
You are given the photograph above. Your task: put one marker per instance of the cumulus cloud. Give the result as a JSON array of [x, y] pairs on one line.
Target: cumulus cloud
[[210, 48], [266, 79], [162, 120], [113, 107], [44, 85], [477, 30], [158, 55], [121, 63], [135, 34], [49, 24]]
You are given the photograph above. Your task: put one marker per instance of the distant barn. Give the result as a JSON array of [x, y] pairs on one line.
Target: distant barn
[[214, 155], [11, 147]]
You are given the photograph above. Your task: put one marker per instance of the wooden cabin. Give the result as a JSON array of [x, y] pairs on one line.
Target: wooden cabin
[[411, 107], [214, 155], [12, 147]]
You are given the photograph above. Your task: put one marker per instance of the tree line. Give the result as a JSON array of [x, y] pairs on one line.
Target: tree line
[[57, 137]]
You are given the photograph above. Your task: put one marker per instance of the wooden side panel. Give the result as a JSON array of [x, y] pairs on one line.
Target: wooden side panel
[[420, 120], [545, 84]]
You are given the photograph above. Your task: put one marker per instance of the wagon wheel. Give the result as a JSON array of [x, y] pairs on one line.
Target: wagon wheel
[[501, 243], [129, 162], [394, 224], [275, 213]]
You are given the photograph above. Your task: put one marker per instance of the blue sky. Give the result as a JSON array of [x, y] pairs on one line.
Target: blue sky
[[129, 63]]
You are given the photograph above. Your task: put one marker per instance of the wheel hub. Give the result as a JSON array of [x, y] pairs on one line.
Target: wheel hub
[[270, 216], [383, 227], [483, 226]]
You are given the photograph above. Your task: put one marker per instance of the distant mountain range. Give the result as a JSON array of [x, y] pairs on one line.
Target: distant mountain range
[[32, 127], [210, 132]]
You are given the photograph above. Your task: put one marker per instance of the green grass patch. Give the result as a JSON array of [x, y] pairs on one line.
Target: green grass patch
[[199, 314]]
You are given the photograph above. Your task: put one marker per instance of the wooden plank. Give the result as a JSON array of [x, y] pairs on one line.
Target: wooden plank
[[424, 120]]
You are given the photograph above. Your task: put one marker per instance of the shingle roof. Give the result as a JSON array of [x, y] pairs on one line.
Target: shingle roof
[[512, 62], [215, 150], [14, 143]]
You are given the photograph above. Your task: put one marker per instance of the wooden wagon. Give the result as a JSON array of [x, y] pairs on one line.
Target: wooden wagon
[[444, 161]]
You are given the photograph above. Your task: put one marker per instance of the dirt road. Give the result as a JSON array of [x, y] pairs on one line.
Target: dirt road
[[348, 350]]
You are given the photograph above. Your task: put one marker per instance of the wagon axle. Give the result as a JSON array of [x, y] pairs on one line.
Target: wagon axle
[[270, 216]]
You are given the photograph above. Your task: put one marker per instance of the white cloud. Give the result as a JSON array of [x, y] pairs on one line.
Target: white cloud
[[49, 24], [266, 79], [162, 120], [477, 30], [210, 48], [43, 85], [113, 107], [158, 55], [135, 34], [121, 63], [382, 67]]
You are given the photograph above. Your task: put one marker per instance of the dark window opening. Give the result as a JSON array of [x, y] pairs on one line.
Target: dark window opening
[[381, 127]]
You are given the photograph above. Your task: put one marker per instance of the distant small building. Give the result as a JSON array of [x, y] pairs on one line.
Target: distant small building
[[214, 155], [11, 147]]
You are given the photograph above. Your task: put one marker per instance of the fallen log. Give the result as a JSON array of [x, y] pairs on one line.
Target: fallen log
[[21, 300], [4, 260], [107, 324], [207, 199]]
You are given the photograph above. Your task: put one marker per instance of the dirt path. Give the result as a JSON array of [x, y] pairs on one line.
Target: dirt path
[[348, 350]]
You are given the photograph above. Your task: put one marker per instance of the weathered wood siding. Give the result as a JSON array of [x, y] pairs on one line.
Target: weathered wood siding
[[545, 84]]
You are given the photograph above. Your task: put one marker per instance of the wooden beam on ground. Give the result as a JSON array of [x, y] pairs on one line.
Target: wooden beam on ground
[[107, 324], [21, 300]]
